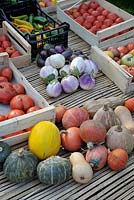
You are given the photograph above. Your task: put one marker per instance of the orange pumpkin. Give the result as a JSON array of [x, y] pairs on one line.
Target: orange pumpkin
[[130, 104], [117, 159]]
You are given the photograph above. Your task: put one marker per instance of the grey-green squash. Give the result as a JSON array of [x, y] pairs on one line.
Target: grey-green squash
[[20, 166], [54, 170], [5, 150]]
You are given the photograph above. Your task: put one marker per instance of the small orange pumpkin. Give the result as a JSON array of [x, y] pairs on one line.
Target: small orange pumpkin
[[117, 159], [130, 104]]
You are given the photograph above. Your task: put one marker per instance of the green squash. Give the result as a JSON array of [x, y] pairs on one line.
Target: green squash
[[54, 170], [20, 166], [5, 150]]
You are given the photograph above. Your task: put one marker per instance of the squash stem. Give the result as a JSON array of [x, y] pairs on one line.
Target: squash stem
[[1, 149], [90, 145], [20, 152], [105, 107]]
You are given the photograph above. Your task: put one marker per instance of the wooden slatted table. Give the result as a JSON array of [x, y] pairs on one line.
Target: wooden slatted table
[[106, 184]]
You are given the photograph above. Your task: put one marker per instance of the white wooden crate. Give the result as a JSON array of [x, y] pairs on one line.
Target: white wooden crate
[[112, 69], [19, 43], [20, 123], [98, 39]]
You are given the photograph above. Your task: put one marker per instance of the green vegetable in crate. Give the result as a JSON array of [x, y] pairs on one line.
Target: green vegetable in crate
[[5, 150], [54, 170], [40, 20], [22, 17], [128, 60], [20, 166]]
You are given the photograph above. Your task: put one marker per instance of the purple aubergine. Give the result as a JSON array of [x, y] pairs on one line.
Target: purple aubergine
[[69, 84], [40, 62], [67, 53], [59, 48], [54, 88], [44, 54], [52, 51], [87, 82]]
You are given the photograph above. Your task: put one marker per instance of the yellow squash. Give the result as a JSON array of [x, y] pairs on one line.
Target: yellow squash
[[44, 139]]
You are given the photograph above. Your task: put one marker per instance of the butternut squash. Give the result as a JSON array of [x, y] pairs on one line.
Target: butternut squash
[[125, 117], [81, 169]]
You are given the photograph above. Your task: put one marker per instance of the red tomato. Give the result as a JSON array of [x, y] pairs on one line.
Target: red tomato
[[87, 24], [12, 134], [104, 26], [124, 31], [101, 18], [90, 19], [93, 4], [105, 12], [3, 79], [97, 23], [130, 46], [108, 22], [10, 50], [22, 102], [2, 117], [67, 12], [1, 49], [7, 72], [82, 11], [29, 128], [85, 15], [83, 6], [122, 49], [100, 9], [3, 38], [7, 92], [130, 70], [70, 139], [15, 54], [94, 29], [90, 10], [95, 13], [80, 20], [119, 20], [19, 88], [6, 44], [77, 14], [15, 113], [33, 108], [112, 16]]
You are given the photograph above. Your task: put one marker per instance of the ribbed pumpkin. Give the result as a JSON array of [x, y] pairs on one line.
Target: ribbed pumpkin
[[106, 116], [54, 170], [20, 166], [120, 137], [44, 139], [97, 157], [5, 150]]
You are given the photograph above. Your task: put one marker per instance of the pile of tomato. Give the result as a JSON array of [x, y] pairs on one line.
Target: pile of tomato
[[14, 95], [93, 16]]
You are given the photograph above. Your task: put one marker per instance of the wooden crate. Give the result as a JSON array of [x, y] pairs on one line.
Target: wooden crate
[[20, 123], [98, 39], [112, 69], [19, 43]]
